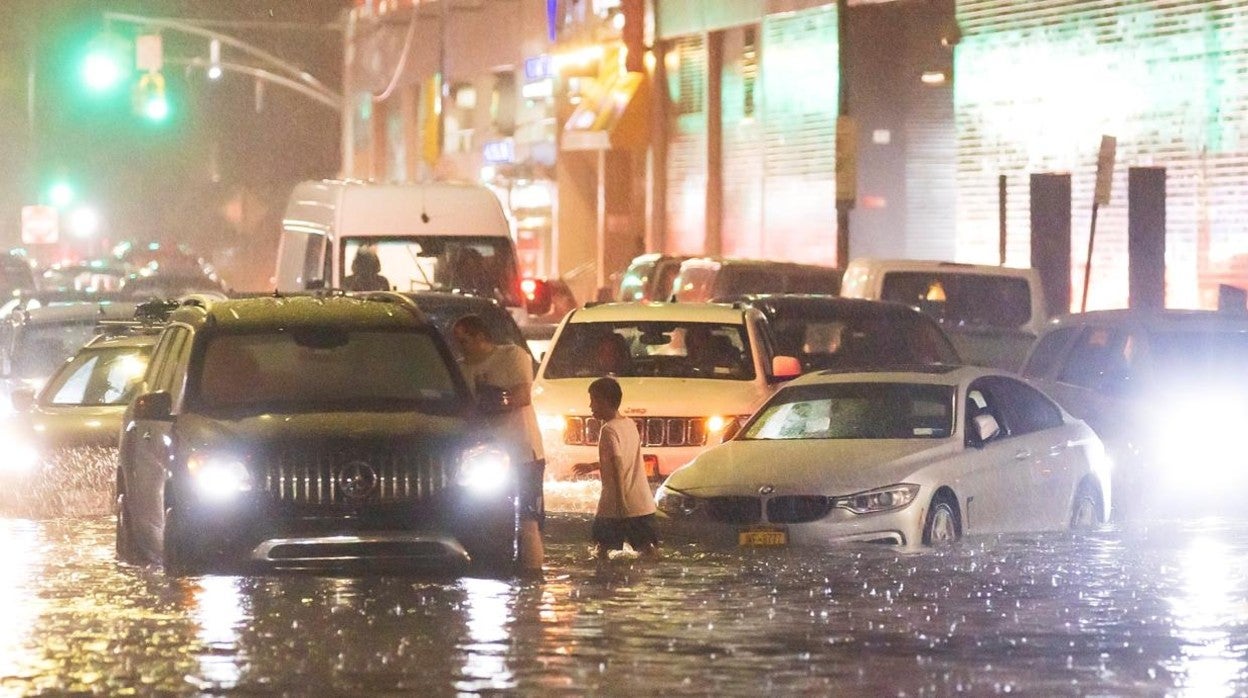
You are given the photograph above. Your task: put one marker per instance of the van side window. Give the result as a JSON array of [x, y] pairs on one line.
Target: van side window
[[314, 260]]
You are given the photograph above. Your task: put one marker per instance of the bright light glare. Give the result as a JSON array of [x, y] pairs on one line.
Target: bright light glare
[[716, 423], [218, 478], [61, 194], [551, 422], [131, 366], [156, 109], [1202, 432], [214, 72], [485, 469], [84, 222], [21, 458]]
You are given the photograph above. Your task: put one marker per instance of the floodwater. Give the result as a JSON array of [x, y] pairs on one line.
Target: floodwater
[[1146, 610]]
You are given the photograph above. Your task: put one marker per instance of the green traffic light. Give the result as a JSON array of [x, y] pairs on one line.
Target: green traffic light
[[101, 71], [156, 108], [61, 194]]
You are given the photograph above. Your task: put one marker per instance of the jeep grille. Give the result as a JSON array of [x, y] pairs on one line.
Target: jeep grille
[[654, 431]]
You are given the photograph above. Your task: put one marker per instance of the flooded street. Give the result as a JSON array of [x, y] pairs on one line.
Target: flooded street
[[1138, 611]]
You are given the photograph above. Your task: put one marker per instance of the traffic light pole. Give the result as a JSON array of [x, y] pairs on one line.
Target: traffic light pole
[[300, 80]]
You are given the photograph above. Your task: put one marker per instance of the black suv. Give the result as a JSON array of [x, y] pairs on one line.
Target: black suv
[[310, 431]]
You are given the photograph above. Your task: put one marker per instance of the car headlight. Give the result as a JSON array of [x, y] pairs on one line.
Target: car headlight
[[551, 422], [218, 476], [877, 500], [484, 469], [673, 503], [21, 457]]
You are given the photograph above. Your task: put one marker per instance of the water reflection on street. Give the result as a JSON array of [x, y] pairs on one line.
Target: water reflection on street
[[1143, 610]]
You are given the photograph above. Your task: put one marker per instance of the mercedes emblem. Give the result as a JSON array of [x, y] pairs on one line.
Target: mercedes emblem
[[357, 480]]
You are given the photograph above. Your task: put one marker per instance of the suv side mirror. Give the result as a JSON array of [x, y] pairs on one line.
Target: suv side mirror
[[985, 428], [157, 406], [23, 399], [492, 400], [784, 368], [537, 296]]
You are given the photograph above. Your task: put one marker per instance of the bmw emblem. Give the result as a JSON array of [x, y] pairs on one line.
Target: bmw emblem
[[357, 480], [766, 490]]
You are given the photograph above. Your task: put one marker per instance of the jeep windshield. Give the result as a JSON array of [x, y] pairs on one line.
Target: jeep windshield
[[663, 349], [480, 265], [326, 368]]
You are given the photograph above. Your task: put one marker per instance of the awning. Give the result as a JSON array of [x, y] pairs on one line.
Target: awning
[[612, 117]]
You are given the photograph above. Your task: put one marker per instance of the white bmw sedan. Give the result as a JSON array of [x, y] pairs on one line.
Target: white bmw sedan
[[914, 457]]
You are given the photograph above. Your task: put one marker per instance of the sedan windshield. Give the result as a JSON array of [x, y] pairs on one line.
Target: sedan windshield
[[666, 349], [99, 377], [325, 368], [41, 348], [856, 411], [483, 266]]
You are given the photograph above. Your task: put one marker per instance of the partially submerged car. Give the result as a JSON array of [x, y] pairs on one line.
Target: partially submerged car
[[909, 457], [689, 371], [1166, 390], [311, 431]]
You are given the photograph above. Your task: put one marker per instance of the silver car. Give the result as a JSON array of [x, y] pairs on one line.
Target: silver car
[[914, 457]]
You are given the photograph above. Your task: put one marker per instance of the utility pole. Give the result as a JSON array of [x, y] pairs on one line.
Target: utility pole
[[846, 140]]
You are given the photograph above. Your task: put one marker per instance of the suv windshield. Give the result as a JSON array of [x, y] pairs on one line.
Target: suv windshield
[[482, 266], [325, 368], [667, 349], [856, 411]]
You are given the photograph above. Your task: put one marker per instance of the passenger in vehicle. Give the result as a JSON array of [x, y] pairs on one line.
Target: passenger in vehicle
[[611, 355], [711, 354], [366, 272]]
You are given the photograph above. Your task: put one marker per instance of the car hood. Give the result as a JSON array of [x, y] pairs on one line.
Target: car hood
[[826, 467], [75, 426], [200, 431], [654, 397]]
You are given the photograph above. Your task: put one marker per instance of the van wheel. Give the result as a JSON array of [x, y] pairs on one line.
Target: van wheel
[[943, 525]]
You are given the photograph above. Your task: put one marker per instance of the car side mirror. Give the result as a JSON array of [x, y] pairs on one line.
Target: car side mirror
[[157, 406], [785, 368], [23, 399], [493, 400], [986, 428], [537, 296]]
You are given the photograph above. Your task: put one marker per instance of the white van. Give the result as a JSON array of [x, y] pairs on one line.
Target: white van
[[992, 314], [427, 236]]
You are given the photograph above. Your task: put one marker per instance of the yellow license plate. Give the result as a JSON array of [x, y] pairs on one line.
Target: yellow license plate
[[763, 537]]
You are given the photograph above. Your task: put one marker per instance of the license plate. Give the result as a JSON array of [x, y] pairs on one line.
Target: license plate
[[763, 537]]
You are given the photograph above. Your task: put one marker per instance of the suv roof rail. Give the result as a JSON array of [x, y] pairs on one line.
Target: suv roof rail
[[392, 297]]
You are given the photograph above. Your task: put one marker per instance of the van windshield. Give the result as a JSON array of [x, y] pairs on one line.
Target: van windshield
[[480, 265]]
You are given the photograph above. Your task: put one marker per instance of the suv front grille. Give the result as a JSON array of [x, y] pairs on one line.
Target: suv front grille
[[327, 476], [654, 431]]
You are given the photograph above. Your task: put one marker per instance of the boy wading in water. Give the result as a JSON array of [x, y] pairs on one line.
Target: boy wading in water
[[626, 506]]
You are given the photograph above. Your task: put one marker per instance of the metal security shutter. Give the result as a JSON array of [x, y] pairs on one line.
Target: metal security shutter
[[799, 75], [742, 227], [686, 151], [1037, 83], [931, 189]]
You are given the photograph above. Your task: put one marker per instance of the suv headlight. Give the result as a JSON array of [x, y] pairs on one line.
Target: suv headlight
[[484, 469], [878, 500], [673, 503], [218, 476]]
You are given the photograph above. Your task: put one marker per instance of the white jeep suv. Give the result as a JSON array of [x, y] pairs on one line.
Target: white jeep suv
[[690, 373]]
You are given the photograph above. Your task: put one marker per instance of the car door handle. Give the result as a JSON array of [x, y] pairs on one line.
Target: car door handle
[[1022, 455]]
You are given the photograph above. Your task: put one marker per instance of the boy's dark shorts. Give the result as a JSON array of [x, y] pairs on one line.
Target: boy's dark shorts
[[638, 531], [532, 499]]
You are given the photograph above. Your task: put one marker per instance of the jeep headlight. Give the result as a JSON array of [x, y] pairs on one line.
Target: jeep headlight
[[484, 469], [878, 500], [218, 476], [674, 503]]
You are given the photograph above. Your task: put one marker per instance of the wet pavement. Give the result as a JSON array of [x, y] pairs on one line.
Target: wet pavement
[[1140, 611]]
